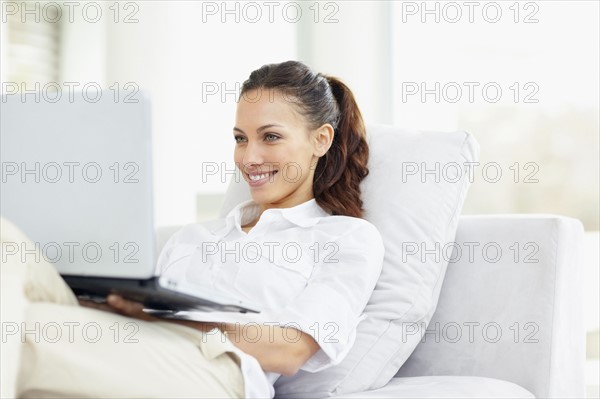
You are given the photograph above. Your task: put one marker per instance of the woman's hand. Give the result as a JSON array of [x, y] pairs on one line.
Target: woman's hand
[[118, 304]]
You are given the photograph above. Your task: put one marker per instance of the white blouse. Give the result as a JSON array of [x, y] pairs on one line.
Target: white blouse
[[306, 268]]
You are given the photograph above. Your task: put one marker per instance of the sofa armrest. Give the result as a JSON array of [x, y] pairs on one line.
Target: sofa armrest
[[511, 306]]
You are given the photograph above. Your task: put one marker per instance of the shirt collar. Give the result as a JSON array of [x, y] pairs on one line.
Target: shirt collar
[[306, 214]]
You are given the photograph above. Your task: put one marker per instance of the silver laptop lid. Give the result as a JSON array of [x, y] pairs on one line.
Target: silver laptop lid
[[77, 179]]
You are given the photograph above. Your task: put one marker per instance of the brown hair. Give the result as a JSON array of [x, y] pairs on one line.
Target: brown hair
[[324, 99]]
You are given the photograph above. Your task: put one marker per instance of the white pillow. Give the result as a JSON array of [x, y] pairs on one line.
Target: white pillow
[[413, 210]]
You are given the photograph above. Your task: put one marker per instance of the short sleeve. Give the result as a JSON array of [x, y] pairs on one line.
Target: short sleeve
[[332, 303]]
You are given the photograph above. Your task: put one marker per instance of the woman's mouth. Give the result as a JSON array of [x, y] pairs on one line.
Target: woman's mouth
[[258, 179]]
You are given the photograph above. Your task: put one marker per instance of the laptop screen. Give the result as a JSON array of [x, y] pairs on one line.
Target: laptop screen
[[77, 179]]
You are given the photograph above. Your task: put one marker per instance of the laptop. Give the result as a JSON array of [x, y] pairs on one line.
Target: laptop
[[77, 180]]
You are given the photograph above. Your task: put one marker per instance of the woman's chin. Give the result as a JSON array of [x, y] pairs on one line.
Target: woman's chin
[[258, 197]]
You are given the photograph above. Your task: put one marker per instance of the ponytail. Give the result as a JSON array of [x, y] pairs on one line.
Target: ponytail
[[339, 172]]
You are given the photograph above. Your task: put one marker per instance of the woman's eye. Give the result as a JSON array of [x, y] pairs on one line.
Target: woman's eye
[[272, 136], [238, 139]]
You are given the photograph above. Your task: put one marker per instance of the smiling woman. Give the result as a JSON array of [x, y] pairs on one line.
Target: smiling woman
[[305, 125], [301, 146]]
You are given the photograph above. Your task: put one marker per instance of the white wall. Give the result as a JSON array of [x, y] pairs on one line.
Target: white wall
[[546, 49], [83, 48], [3, 58], [357, 48]]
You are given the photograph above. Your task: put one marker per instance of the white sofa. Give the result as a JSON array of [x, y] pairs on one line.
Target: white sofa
[[548, 356]]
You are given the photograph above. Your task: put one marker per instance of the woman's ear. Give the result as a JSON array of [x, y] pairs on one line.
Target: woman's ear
[[323, 138]]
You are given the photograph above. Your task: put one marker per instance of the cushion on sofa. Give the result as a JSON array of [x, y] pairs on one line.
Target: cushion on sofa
[[413, 194], [445, 387]]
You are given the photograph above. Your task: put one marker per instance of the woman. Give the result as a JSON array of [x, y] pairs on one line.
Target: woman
[[300, 145]]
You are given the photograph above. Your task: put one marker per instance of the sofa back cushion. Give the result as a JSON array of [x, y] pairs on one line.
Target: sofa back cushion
[[413, 194]]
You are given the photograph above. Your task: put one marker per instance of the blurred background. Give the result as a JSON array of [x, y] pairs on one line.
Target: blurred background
[[521, 76]]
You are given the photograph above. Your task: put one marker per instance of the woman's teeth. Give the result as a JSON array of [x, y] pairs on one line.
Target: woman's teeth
[[259, 177]]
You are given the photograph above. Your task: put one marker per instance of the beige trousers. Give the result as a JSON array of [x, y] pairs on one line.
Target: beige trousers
[[52, 347]]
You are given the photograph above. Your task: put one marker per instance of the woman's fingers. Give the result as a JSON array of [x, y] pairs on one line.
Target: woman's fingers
[[95, 305], [118, 304], [124, 305], [128, 308]]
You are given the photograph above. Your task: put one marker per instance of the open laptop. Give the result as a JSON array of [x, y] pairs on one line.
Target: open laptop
[[77, 179]]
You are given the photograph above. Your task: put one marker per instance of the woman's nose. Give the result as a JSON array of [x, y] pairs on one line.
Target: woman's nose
[[253, 155]]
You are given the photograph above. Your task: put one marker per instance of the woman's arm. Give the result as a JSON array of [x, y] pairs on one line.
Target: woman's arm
[[277, 349]]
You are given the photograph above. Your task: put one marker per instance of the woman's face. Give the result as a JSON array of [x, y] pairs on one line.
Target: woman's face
[[275, 149]]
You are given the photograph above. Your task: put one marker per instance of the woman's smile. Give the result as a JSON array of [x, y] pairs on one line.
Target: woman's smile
[[257, 179]]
